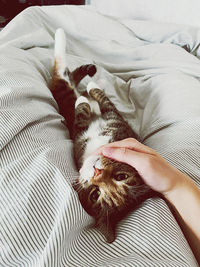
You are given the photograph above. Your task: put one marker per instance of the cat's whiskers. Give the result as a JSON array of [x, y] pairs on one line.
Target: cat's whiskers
[[78, 184], [79, 188], [81, 184]]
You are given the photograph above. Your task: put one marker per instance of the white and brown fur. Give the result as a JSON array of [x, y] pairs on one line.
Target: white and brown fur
[[108, 190]]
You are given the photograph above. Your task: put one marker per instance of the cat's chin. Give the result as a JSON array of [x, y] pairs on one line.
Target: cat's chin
[[87, 171]]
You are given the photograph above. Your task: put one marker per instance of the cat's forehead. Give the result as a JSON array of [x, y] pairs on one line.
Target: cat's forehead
[[116, 165]]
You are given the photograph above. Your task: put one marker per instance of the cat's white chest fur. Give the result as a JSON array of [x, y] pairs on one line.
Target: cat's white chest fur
[[94, 136]]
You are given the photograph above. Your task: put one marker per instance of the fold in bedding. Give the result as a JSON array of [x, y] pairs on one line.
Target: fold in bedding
[[151, 72]]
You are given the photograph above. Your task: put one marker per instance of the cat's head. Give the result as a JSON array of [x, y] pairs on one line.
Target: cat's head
[[108, 190]]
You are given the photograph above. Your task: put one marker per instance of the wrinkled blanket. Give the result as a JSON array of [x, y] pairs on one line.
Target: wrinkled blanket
[[151, 72]]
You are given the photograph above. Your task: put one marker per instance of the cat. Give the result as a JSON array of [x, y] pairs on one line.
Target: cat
[[108, 190]]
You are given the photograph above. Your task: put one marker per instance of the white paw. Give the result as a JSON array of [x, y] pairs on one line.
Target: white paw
[[80, 100], [92, 85]]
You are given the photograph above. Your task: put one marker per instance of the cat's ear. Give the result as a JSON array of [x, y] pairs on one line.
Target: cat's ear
[[107, 229]]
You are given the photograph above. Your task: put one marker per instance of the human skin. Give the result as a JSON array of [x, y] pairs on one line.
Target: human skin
[[178, 189]]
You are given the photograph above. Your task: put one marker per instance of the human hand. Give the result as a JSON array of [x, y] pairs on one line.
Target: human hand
[[155, 171], [177, 188]]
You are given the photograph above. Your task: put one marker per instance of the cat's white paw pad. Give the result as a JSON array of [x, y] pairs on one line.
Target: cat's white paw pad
[[80, 100], [92, 85]]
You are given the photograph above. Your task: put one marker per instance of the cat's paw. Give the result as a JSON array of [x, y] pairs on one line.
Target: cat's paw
[[91, 70], [92, 85], [81, 99]]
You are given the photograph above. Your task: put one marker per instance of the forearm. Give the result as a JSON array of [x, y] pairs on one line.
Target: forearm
[[185, 202]]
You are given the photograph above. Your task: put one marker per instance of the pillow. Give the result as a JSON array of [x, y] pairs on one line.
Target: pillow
[[170, 11]]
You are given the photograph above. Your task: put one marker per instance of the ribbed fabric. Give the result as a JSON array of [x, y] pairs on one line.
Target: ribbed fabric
[[42, 223]]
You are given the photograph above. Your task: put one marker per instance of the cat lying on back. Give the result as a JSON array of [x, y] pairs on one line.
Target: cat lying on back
[[107, 189]]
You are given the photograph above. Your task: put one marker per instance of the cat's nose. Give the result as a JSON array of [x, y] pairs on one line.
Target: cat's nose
[[97, 172]]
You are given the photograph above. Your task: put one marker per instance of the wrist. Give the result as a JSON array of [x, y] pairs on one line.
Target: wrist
[[180, 191]]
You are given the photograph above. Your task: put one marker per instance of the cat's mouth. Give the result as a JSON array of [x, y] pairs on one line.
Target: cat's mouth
[[97, 172]]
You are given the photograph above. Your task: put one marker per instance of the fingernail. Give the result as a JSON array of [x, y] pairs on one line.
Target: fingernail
[[107, 151]]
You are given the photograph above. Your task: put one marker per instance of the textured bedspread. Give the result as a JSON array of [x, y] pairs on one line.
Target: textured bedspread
[[151, 72]]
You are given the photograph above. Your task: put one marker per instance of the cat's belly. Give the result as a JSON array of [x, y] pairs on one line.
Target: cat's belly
[[94, 137]]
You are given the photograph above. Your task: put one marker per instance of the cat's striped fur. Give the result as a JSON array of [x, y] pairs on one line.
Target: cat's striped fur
[[107, 189]]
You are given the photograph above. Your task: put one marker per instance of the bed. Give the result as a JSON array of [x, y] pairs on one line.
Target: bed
[[150, 69]]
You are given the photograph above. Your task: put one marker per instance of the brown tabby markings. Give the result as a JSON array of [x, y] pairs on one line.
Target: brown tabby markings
[[111, 193]]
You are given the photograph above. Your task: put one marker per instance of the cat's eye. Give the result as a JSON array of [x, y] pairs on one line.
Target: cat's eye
[[121, 176], [95, 195]]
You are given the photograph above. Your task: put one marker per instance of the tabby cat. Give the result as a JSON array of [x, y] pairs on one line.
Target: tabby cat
[[107, 189]]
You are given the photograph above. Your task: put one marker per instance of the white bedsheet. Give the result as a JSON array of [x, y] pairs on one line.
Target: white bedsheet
[[168, 11], [151, 72]]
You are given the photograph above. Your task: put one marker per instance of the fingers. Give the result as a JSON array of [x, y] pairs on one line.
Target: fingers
[[129, 143], [125, 155]]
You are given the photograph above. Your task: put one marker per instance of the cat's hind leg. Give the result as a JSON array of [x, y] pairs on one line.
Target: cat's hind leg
[[64, 82]]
